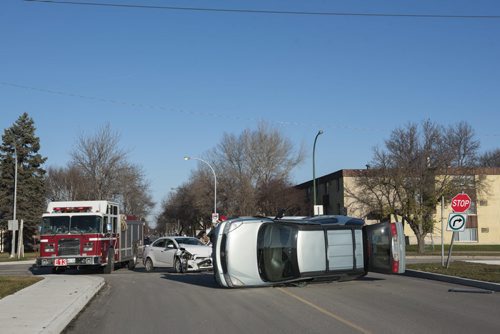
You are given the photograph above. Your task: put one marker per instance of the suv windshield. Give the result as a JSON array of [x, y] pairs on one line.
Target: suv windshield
[[72, 224], [277, 252]]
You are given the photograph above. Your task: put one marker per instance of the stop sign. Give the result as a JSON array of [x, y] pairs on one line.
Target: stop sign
[[460, 203]]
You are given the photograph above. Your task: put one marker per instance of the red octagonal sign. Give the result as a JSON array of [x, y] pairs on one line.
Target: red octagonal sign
[[460, 203]]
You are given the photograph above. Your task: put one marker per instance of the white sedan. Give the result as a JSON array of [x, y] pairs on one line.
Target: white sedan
[[181, 253]]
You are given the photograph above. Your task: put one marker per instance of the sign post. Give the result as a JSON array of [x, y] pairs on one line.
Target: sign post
[[457, 220], [20, 241], [442, 231]]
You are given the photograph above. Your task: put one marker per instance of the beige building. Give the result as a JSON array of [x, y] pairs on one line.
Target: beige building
[[483, 222]]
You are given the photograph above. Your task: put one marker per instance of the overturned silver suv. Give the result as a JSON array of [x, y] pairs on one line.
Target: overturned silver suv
[[255, 251]]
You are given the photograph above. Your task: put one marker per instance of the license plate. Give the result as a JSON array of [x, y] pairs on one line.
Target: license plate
[[60, 262], [71, 260]]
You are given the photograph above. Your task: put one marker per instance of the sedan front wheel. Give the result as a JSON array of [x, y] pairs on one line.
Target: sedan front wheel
[[179, 266]]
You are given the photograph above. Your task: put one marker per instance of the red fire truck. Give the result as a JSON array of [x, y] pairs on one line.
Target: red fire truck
[[78, 234]]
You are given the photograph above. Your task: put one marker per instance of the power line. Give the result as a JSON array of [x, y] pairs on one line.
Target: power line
[[191, 113], [272, 12], [286, 123]]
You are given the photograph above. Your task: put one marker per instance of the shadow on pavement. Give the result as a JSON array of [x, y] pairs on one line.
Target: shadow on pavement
[[204, 279], [368, 279]]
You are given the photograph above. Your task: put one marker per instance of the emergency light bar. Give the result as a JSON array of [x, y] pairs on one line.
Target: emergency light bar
[[72, 209]]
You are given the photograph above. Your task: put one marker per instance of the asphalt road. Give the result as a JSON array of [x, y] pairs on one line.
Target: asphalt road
[[15, 269], [166, 302]]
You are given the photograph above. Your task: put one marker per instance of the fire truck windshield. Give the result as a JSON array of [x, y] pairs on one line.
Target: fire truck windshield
[[71, 224]]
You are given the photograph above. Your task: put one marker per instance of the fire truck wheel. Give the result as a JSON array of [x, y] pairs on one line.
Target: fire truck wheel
[[108, 269], [149, 265], [131, 263]]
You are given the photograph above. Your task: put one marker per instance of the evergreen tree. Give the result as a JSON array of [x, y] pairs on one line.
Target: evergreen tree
[[21, 138]]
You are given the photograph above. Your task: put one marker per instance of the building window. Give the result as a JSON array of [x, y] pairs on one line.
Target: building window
[[470, 233]]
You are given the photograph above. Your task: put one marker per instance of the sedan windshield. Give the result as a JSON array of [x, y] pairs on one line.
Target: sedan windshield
[[277, 252], [71, 224], [189, 241]]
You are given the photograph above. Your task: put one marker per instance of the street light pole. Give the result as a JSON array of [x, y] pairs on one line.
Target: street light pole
[[215, 178], [314, 167], [15, 205]]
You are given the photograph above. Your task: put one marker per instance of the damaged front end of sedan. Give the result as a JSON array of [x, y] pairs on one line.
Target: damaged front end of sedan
[[193, 262]]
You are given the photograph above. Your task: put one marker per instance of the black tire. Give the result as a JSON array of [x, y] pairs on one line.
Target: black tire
[[110, 266], [132, 263], [178, 267], [148, 265]]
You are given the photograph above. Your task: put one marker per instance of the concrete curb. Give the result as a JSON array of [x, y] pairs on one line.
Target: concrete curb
[[453, 279], [49, 305], [62, 319]]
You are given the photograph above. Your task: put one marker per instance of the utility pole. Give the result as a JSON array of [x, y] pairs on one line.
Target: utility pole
[[15, 203]]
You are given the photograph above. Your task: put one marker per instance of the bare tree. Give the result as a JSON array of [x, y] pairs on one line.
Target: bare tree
[[66, 184], [252, 179], [490, 159], [99, 170], [133, 190], [180, 214], [277, 195], [268, 155], [101, 161], [417, 167], [251, 161]]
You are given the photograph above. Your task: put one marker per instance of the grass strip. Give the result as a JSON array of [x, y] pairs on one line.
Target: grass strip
[[5, 257], [12, 284], [477, 271]]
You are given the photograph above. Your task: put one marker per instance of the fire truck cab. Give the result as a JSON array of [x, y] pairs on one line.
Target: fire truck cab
[[77, 234]]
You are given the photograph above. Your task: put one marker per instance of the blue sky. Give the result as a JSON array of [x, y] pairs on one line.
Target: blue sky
[[172, 82]]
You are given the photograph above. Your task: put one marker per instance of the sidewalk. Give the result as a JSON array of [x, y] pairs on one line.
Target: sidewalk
[[49, 305]]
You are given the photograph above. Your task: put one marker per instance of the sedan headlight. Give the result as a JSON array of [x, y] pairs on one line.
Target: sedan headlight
[[187, 255]]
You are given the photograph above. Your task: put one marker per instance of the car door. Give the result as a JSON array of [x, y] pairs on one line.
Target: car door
[[384, 248], [156, 251], [170, 251]]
